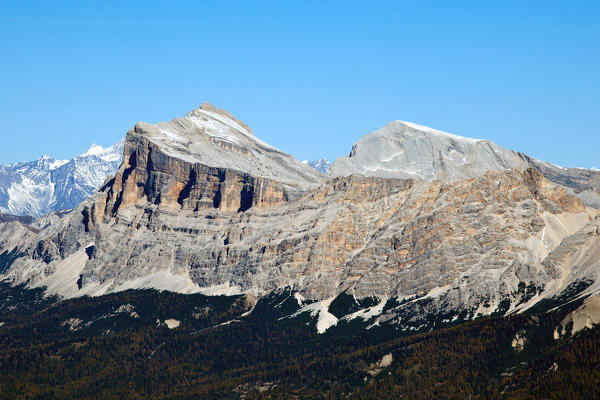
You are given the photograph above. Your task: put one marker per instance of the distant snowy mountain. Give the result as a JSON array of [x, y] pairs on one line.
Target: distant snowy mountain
[[39, 187], [323, 165]]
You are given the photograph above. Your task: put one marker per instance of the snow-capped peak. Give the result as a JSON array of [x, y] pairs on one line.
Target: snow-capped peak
[[39, 187], [95, 149], [323, 165], [109, 154]]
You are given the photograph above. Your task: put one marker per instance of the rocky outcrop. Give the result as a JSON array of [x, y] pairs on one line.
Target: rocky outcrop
[[149, 176], [584, 183], [586, 316]]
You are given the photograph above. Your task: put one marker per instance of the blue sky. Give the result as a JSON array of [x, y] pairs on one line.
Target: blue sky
[[309, 77]]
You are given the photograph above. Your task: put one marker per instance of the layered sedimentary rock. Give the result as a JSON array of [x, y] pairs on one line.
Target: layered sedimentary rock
[[584, 183], [200, 205]]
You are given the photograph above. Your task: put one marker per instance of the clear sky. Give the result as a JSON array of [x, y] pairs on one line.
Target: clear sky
[[310, 77]]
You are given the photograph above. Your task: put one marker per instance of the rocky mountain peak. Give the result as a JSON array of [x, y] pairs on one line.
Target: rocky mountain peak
[[207, 107], [214, 138], [406, 150], [322, 165]]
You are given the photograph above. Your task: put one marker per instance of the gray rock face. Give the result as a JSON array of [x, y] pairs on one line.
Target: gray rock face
[[214, 138], [584, 183], [406, 150], [40, 187], [179, 216]]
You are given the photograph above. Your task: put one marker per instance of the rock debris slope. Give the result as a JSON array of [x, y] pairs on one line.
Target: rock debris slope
[[201, 205]]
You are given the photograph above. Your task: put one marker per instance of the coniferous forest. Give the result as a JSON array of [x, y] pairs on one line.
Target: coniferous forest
[[118, 346]]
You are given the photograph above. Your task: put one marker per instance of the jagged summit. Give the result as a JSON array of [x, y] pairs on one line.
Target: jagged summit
[[407, 150], [45, 185], [322, 165]]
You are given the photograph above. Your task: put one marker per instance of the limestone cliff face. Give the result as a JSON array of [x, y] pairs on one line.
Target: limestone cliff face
[[207, 160], [149, 176], [584, 183], [200, 204], [478, 239]]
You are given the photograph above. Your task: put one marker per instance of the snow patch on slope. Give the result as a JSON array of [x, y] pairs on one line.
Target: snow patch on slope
[[367, 313], [320, 309], [427, 129]]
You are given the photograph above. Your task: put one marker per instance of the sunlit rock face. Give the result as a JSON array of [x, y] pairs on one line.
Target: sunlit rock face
[[201, 205], [409, 151], [406, 150]]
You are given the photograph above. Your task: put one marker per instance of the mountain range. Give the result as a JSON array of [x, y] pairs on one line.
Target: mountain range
[[38, 187], [217, 266], [425, 222]]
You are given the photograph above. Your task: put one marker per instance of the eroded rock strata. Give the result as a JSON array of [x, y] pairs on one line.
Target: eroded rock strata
[[200, 204]]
